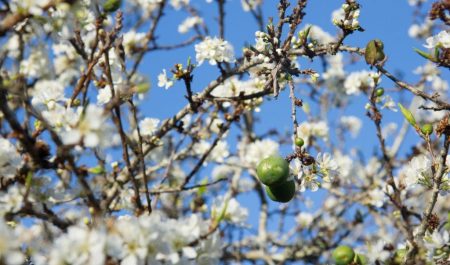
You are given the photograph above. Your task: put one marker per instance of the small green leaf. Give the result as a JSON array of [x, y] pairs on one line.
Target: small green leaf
[[29, 179], [202, 189], [142, 88], [407, 114], [425, 55], [97, 170]]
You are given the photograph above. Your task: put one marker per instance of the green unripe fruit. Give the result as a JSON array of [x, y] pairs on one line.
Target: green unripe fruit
[[299, 142], [379, 92], [343, 255], [112, 5], [374, 52], [427, 129], [360, 259], [273, 170], [283, 192]]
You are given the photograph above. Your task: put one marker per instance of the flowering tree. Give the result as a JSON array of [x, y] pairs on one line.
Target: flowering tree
[[87, 177]]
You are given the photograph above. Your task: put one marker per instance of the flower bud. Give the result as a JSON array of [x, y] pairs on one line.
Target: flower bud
[[407, 114], [374, 52]]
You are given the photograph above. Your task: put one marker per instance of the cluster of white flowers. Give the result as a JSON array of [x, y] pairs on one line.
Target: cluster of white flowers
[[10, 159], [421, 30], [119, 78], [358, 81], [432, 74], [214, 50], [376, 252], [132, 40], [417, 171], [441, 40], [437, 245], [87, 124], [47, 93], [131, 240], [37, 64], [148, 126], [351, 123], [316, 33], [218, 153], [234, 87], [346, 17], [148, 6], [33, 7], [325, 168], [11, 201], [317, 129], [10, 248], [252, 153], [229, 209]]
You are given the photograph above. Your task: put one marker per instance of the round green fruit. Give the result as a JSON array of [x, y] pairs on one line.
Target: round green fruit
[[343, 255], [281, 193], [379, 92], [272, 170], [112, 5], [299, 142], [427, 129]]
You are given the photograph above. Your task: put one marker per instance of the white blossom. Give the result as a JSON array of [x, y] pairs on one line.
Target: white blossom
[[47, 92], [304, 219], [419, 168], [177, 4], [248, 5], [10, 250], [91, 127], [377, 252], [189, 23], [328, 167], [252, 153], [358, 81], [148, 126], [164, 81], [436, 241], [442, 39], [229, 209], [131, 40], [352, 123], [317, 129], [214, 50], [79, 246], [12, 199], [10, 159]]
